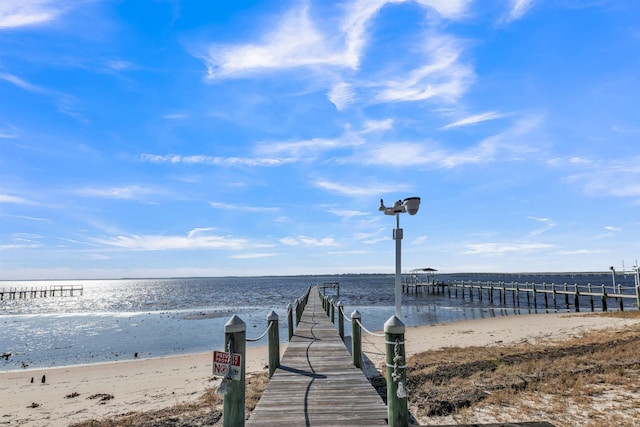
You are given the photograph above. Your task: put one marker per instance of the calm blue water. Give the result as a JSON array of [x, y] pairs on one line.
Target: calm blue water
[[114, 319]]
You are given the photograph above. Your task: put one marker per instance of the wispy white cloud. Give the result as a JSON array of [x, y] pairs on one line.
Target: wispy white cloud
[[517, 9], [474, 119], [9, 132], [66, 104], [403, 154], [23, 241], [214, 160], [302, 40], [371, 238], [8, 198], [309, 241], [130, 192], [99, 257], [513, 144], [22, 84], [420, 240], [548, 225], [195, 239], [346, 213], [119, 65], [442, 76], [242, 208], [497, 248], [25, 237], [307, 148], [254, 255], [176, 116], [609, 231], [199, 231], [27, 218], [616, 178], [295, 42], [22, 13], [354, 190], [79, 242], [11, 246], [377, 126], [450, 9], [341, 95], [583, 252]]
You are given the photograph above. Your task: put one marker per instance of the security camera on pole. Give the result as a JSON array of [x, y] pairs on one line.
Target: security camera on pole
[[410, 205]]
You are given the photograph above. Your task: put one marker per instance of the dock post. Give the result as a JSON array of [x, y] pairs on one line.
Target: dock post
[[299, 309], [638, 296], [356, 339], [591, 297], [341, 320], [396, 374], [604, 299], [490, 292], [576, 298], [235, 336], [290, 320], [274, 342], [621, 299], [333, 311]]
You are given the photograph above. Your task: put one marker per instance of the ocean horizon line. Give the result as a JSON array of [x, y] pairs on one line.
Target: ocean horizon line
[[436, 272]]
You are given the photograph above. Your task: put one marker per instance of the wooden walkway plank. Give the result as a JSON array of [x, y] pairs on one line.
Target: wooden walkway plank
[[317, 384]]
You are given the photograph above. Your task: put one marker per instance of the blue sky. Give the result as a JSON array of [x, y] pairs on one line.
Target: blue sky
[[206, 138]]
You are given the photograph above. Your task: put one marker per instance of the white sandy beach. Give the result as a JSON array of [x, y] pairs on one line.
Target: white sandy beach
[[148, 384]]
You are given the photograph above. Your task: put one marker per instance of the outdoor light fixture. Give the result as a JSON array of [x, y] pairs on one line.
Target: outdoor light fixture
[[410, 205], [613, 277]]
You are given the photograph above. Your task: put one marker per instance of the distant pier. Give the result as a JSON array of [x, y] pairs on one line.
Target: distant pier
[[548, 295], [41, 292]]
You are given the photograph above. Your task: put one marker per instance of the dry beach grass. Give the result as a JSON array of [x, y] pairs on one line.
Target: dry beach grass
[[590, 379]]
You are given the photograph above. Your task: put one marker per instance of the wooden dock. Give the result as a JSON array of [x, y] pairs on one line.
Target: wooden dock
[[42, 292], [547, 295], [317, 383]]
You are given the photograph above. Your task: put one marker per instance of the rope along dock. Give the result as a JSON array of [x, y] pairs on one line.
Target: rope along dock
[[316, 383]]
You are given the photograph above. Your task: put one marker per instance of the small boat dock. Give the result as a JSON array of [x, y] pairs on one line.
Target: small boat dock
[[316, 383], [41, 292]]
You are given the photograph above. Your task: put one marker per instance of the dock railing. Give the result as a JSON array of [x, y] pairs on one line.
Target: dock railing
[[233, 391], [235, 339], [396, 369]]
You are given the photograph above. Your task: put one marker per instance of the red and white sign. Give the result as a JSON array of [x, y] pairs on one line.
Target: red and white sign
[[221, 365]]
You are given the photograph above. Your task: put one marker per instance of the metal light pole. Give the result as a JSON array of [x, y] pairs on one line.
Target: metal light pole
[[613, 277], [410, 205]]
